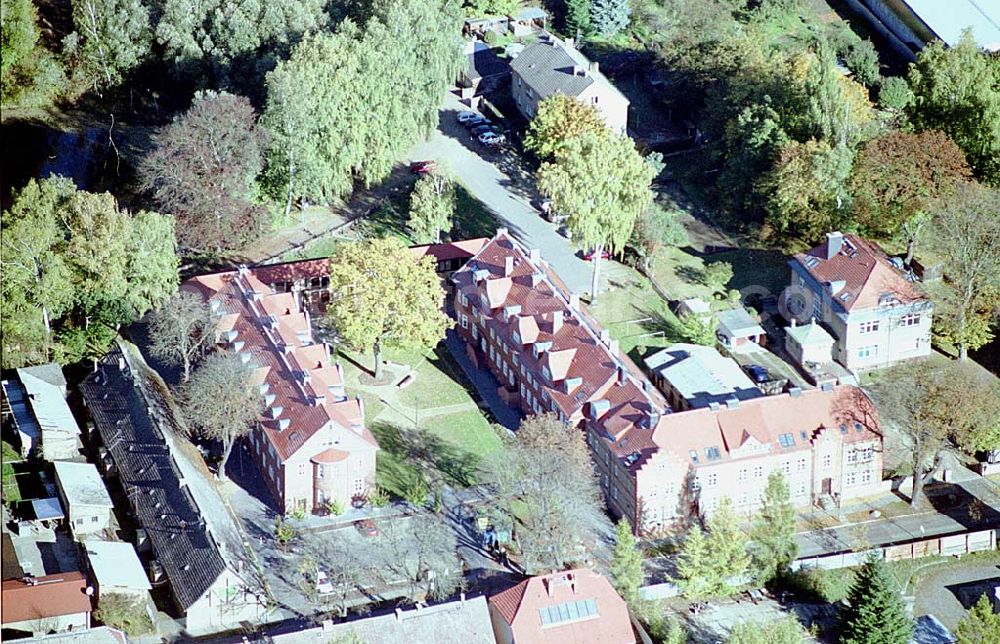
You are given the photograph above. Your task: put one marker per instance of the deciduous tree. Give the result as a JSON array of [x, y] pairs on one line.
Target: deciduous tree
[[896, 179], [807, 188], [980, 625], [384, 296], [875, 612], [125, 613], [655, 228], [716, 275], [697, 329], [422, 552], [111, 38], [966, 229], [29, 74], [957, 91], [558, 119], [626, 562], [432, 207], [202, 169], [727, 547], [181, 330], [603, 184], [221, 401], [772, 535], [544, 478]]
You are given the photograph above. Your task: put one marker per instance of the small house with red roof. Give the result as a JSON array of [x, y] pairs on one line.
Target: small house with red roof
[[311, 443], [876, 313], [578, 606], [40, 605]]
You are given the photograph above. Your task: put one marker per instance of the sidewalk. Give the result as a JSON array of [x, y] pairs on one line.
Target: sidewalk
[[485, 383]]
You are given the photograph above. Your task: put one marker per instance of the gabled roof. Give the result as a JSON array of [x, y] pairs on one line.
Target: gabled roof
[[186, 534], [859, 275], [551, 66], [301, 387], [44, 597], [577, 606], [46, 395]]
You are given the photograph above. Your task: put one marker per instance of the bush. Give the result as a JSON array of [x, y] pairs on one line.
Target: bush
[[124, 613], [379, 498], [335, 507], [298, 514]]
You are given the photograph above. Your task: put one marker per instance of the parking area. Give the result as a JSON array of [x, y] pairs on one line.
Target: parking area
[[949, 590]]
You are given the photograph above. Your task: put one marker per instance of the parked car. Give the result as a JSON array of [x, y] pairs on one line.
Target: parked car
[[323, 584], [476, 122], [492, 138], [481, 129], [467, 116], [592, 254], [367, 527], [757, 373], [423, 167]]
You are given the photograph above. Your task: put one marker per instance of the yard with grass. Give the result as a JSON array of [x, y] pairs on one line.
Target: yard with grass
[[429, 429], [11, 493], [834, 585]]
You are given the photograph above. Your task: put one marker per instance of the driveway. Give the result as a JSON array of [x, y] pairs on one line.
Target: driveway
[[506, 192]]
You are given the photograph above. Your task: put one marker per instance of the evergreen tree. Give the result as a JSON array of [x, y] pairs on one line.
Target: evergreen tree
[[577, 19], [981, 625], [626, 562], [773, 532], [875, 612], [726, 547], [694, 566], [609, 17]]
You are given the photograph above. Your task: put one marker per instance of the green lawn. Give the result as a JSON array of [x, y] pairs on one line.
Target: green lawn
[[466, 429], [754, 270], [10, 456]]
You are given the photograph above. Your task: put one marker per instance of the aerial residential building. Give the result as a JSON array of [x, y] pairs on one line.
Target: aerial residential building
[[190, 534], [809, 343], [36, 401], [466, 621], [738, 331], [116, 569], [311, 443], [553, 66], [40, 605], [692, 375], [85, 498], [578, 606], [877, 315], [656, 466]]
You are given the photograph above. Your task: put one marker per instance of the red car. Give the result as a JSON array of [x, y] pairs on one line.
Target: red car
[[423, 167], [367, 527], [590, 255]]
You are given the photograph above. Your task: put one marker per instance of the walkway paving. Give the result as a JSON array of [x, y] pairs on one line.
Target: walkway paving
[[506, 192], [485, 383]]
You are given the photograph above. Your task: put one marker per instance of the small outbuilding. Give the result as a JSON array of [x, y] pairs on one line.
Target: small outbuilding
[[737, 329], [809, 343], [116, 568], [84, 496], [50, 604]]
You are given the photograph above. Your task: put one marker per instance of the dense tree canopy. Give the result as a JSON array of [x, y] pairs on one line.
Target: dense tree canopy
[[111, 38], [29, 74], [202, 170], [560, 118], [608, 17], [602, 184], [346, 105], [957, 91], [75, 267], [384, 296]]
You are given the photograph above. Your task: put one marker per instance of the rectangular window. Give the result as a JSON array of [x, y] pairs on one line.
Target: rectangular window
[[850, 479], [713, 478], [827, 461], [742, 475], [475, 333], [465, 321], [801, 465], [93, 519], [786, 440], [911, 319], [870, 326], [758, 472], [852, 456], [870, 351], [462, 299], [866, 477]]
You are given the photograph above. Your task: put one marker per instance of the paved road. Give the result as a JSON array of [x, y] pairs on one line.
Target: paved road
[[947, 518], [507, 192]]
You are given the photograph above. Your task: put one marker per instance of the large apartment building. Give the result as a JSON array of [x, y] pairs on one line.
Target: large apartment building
[[311, 443], [877, 316], [656, 466]]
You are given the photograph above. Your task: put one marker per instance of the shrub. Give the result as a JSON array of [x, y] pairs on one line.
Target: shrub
[[335, 507], [379, 498]]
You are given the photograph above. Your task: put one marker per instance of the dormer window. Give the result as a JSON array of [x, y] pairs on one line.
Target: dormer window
[[547, 374], [516, 337]]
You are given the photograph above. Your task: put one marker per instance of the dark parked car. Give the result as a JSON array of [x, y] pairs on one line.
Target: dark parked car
[[482, 129], [757, 373], [423, 167]]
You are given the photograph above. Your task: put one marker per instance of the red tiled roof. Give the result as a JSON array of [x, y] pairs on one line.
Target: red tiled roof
[[569, 343], [450, 250], [271, 329], [860, 274], [292, 271], [50, 596], [845, 409], [520, 607]]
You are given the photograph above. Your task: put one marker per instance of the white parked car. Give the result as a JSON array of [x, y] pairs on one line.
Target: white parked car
[[323, 585], [491, 138], [467, 116]]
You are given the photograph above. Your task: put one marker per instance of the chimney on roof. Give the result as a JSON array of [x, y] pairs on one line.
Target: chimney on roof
[[613, 348], [622, 375], [795, 392], [834, 242], [827, 387], [594, 67], [557, 321], [574, 302], [605, 337], [794, 323], [319, 400], [714, 406], [501, 232], [399, 614], [732, 403], [534, 255], [579, 71], [569, 42], [508, 265]]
